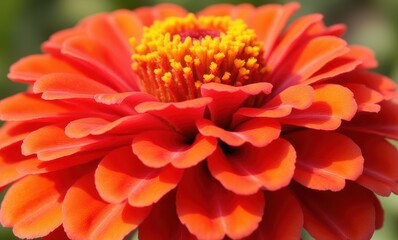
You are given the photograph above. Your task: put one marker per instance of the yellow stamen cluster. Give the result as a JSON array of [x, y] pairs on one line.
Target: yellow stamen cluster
[[176, 56]]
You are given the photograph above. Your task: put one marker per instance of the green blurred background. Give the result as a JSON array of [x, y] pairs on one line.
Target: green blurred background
[[25, 24]]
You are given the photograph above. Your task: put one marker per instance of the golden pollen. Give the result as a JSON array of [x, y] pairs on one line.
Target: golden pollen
[[176, 56]]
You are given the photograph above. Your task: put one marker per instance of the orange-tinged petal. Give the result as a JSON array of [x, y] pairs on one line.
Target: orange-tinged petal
[[159, 148], [210, 212], [31, 68], [298, 97], [33, 165], [66, 86], [241, 11], [181, 115], [123, 126], [366, 98], [382, 84], [105, 29], [283, 217], [94, 219], [347, 214], [258, 132], [10, 160], [13, 132], [364, 54], [127, 23], [307, 60], [164, 216], [129, 98], [33, 205], [325, 160], [54, 44], [248, 169], [332, 69], [292, 36], [159, 12], [121, 175], [332, 104], [50, 143], [383, 123], [25, 106], [380, 173], [99, 60], [276, 17], [227, 99]]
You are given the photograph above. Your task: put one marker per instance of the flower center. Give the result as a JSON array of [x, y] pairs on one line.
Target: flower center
[[176, 56]]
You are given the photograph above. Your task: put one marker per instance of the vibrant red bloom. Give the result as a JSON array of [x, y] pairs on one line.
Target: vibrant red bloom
[[224, 124]]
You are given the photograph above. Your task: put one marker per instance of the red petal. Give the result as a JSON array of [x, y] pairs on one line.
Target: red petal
[[211, 212], [57, 234], [65, 86], [124, 126], [164, 217], [10, 160], [181, 115], [364, 54], [105, 29], [32, 206], [13, 132], [31, 68], [159, 148], [307, 60], [35, 166], [332, 103], [241, 11], [99, 60], [333, 68], [50, 143], [276, 17], [380, 172], [54, 44], [25, 106], [380, 83], [128, 24], [248, 169], [86, 216], [325, 159], [130, 98], [258, 132], [159, 12], [288, 41], [298, 97], [121, 175], [383, 123], [347, 214], [365, 97], [227, 99], [283, 217]]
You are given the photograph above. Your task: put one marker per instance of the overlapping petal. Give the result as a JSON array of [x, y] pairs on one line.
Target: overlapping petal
[[172, 148], [43, 199], [121, 176], [209, 211], [302, 145], [347, 214], [98, 219], [325, 160], [247, 169]]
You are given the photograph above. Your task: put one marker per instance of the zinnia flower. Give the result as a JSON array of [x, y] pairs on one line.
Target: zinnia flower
[[225, 124]]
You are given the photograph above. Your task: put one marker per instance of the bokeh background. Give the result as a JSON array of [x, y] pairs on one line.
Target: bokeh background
[[25, 24]]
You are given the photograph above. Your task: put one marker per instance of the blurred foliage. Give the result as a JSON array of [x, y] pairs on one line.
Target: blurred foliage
[[25, 24]]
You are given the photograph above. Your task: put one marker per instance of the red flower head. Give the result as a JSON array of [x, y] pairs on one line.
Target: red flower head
[[222, 124]]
